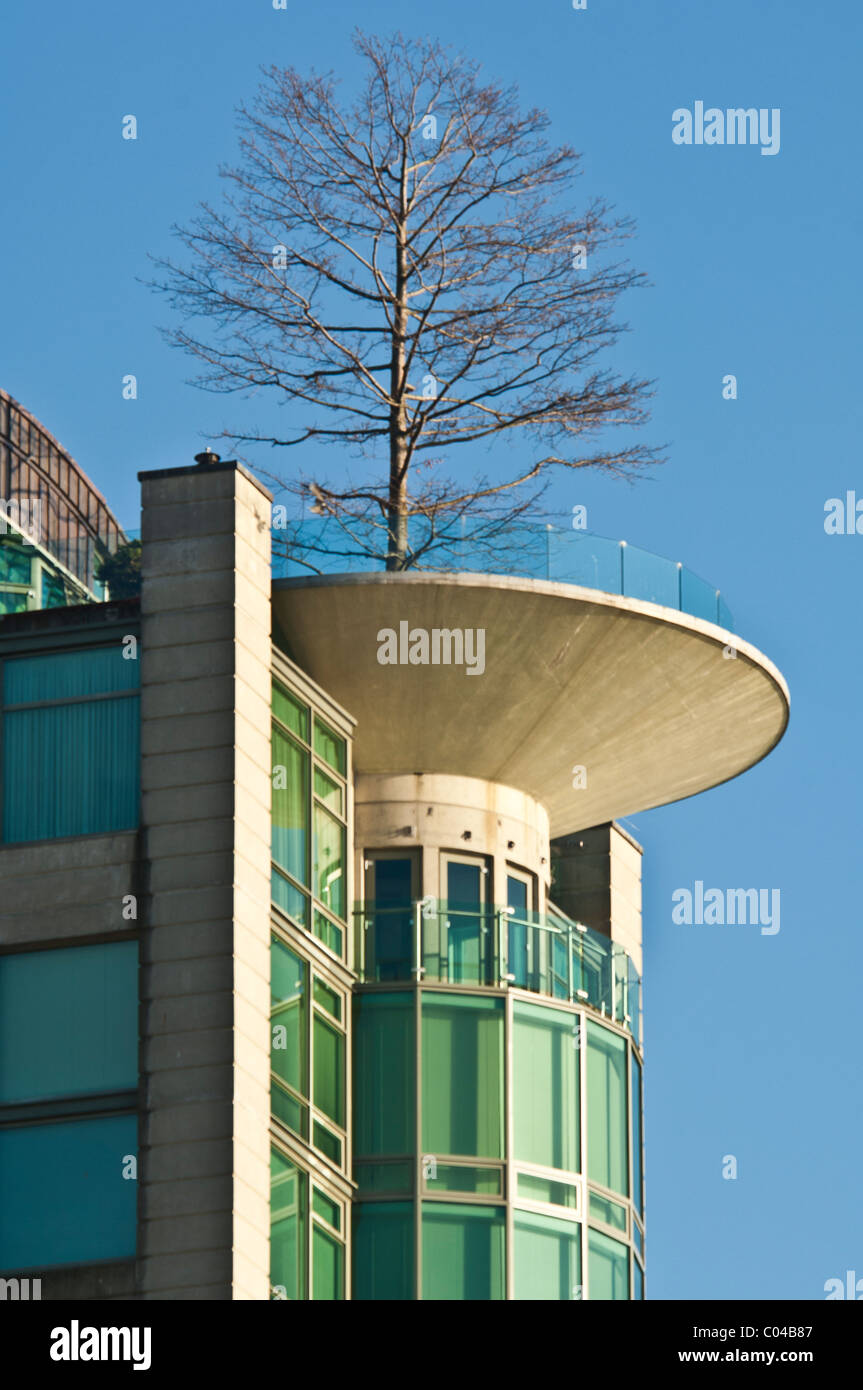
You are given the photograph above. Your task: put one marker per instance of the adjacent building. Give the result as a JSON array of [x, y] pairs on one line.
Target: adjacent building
[[320, 935]]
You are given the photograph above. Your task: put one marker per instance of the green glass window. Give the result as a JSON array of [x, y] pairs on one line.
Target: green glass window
[[329, 792], [327, 932], [288, 1017], [637, 1280], [329, 1052], [546, 1087], [384, 1053], [290, 712], [464, 1177], [462, 1075], [63, 1198], [71, 766], [329, 865], [547, 1254], [68, 1022], [329, 1144], [290, 806], [536, 1189], [292, 902], [383, 1177], [607, 1159], [328, 1266], [608, 1267], [10, 602], [383, 1251], [287, 1226], [330, 747], [637, 1185], [603, 1209], [464, 1252], [327, 1209], [328, 999]]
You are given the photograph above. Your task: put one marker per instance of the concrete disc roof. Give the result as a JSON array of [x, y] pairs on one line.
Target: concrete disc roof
[[645, 698]]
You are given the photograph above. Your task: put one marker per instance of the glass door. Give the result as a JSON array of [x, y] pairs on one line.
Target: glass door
[[391, 889], [468, 919]]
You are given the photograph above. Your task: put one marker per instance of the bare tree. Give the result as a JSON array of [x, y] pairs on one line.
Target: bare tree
[[405, 273]]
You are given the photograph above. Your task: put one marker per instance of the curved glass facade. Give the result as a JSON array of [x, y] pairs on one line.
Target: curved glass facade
[[497, 1148]]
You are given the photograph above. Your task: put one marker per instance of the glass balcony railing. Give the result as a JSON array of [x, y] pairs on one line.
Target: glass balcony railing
[[466, 944], [521, 550]]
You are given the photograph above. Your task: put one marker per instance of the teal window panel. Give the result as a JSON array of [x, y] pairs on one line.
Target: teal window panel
[[546, 1087], [68, 675], [68, 1022], [462, 1075], [608, 1266], [71, 769], [547, 1258], [607, 1138], [383, 1251], [63, 1197], [464, 1252], [288, 1221], [384, 1057]]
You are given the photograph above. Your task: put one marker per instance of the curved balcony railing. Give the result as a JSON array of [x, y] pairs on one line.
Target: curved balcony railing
[[497, 947], [521, 550]]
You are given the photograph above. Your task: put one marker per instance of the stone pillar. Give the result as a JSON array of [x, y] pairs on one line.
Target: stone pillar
[[205, 918], [597, 880]]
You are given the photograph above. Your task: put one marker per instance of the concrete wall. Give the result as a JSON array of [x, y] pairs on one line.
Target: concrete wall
[[205, 745], [462, 814]]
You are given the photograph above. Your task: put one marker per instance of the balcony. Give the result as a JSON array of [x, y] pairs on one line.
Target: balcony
[[495, 947], [522, 551]]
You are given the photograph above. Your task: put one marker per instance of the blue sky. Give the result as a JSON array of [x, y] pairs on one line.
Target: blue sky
[[752, 1041]]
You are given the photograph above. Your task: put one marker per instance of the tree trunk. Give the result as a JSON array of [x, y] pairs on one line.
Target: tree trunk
[[397, 521]]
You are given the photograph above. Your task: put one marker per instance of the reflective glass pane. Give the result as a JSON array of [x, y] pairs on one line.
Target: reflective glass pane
[[292, 902], [323, 1206], [290, 806], [328, 999], [547, 1258], [612, 1213], [462, 1071], [328, 1265], [329, 1053], [68, 1022], [383, 1177], [288, 1217], [329, 792], [384, 1053], [463, 1177], [636, 1135], [608, 1267], [607, 1158], [537, 1189], [546, 1086], [329, 862], [463, 1252], [330, 747], [383, 1251], [290, 711], [288, 1017], [63, 1197], [71, 769]]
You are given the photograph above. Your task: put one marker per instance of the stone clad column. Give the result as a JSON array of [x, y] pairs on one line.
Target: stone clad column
[[205, 917]]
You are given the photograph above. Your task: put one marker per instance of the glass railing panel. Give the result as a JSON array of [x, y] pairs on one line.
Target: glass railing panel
[[698, 597], [650, 577], [576, 557]]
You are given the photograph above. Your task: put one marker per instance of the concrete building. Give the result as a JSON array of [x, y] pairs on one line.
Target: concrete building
[[320, 940]]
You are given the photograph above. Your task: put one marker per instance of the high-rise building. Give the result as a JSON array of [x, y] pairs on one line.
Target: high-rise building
[[320, 936]]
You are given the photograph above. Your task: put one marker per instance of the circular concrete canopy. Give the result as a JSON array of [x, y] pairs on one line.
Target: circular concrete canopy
[[650, 702]]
